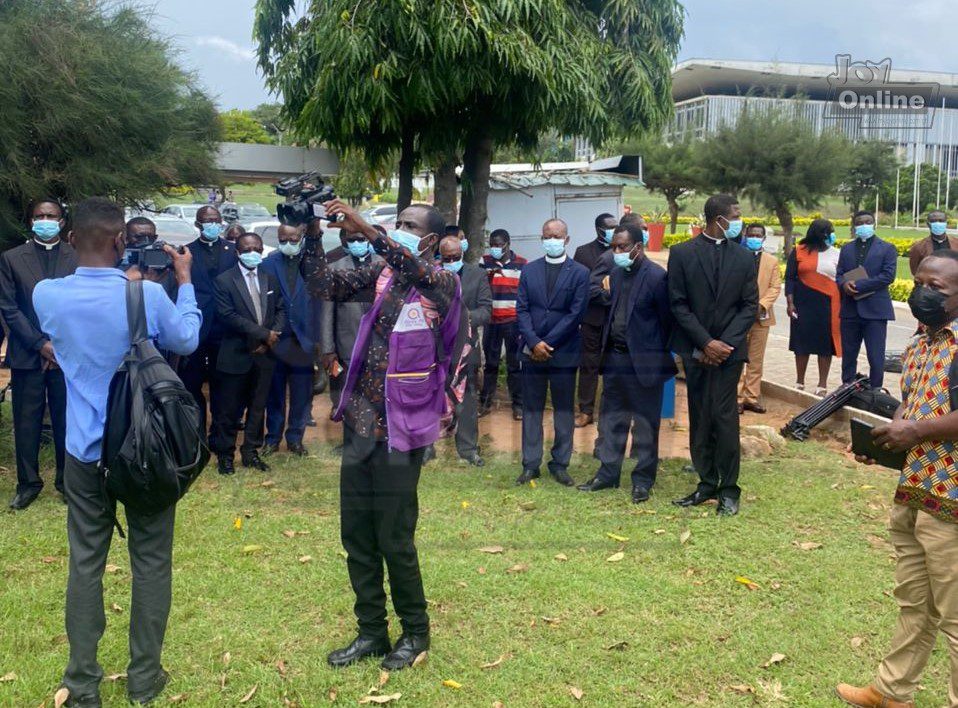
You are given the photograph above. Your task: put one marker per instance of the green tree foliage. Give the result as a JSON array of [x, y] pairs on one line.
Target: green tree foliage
[[93, 104], [270, 116], [871, 164], [673, 170], [775, 158], [355, 179], [242, 127], [434, 77], [928, 196]]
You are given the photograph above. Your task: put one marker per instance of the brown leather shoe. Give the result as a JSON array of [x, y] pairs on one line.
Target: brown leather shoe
[[582, 420], [754, 407], [868, 697]]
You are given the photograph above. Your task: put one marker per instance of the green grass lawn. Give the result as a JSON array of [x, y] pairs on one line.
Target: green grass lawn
[[667, 625]]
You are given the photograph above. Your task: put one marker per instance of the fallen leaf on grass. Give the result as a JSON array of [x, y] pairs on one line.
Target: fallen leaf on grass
[[577, 693], [48, 559], [494, 664], [492, 549], [775, 659], [552, 621], [617, 537], [807, 545], [248, 514], [599, 611], [498, 704], [685, 536], [751, 585], [776, 585], [178, 698], [238, 523], [249, 696], [281, 667], [116, 608], [420, 658], [227, 657], [561, 557], [252, 548], [268, 483], [342, 554], [449, 683], [481, 570], [527, 505], [856, 642], [518, 568], [659, 532], [618, 646], [332, 694], [289, 533], [110, 568], [305, 559], [615, 557], [866, 487], [60, 697], [383, 678], [113, 678], [7, 678], [742, 688]]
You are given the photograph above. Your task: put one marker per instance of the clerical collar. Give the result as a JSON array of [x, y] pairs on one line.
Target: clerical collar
[[716, 241], [47, 246], [556, 261], [943, 239]]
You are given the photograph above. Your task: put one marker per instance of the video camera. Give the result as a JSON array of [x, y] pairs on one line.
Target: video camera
[[305, 196], [149, 255]]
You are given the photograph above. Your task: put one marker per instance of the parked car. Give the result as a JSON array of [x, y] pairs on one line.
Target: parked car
[[269, 232], [246, 214], [186, 212], [174, 230], [382, 214]]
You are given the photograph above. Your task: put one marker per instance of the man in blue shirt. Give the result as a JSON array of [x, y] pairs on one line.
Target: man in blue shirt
[[89, 347]]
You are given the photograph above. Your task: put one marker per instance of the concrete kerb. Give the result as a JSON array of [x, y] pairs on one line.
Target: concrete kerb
[[836, 425]]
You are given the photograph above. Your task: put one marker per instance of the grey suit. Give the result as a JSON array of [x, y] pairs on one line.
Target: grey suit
[[477, 299], [339, 322]]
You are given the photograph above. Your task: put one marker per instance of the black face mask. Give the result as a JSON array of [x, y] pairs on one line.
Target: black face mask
[[928, 306]]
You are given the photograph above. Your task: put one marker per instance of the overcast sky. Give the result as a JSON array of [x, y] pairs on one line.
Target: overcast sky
[[215, 36]]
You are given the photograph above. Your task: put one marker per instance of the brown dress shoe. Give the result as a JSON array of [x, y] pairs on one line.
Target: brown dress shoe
[[582, 420], [868, 697], [754, 407]]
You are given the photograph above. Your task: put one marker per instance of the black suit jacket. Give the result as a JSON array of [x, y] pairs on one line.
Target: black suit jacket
[[241, 333], [705, 309], [20, 271], [592, 255], [204, 283]]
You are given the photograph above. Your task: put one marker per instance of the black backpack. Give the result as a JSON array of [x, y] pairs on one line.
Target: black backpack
[[153, 445]]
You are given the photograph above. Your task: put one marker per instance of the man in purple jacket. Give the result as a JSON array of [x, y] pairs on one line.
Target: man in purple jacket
[[391, 403]]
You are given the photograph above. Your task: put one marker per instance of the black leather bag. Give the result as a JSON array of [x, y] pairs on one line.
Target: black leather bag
[[153, 445]]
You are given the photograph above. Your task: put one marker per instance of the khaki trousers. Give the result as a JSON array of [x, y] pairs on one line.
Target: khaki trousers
[[750, 387], [926, 588]]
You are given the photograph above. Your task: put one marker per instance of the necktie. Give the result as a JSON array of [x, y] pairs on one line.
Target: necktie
[[254, 294]]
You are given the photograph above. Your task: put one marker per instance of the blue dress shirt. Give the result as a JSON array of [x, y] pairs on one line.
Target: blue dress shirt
[[84, 315]]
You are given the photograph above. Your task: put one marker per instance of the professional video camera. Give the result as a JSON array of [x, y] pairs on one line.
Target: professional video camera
[[149, 255], [305, 196]]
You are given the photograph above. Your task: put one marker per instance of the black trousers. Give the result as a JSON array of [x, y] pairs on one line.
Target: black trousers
[[467, 414], [589, 366], [379, 509], [628, 404], [89, 532], [714, 426], [874, 334], [239, 392], [537, 381], [495, 337], [34, 390], [199, 368]]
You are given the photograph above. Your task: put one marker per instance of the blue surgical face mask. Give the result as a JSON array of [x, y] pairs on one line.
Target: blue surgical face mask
[[754, 243], [938, 228], [453, 267], [645, 237], [212, 230], [251, 259], [554, 247], [464, 242], [496, 252], [46, 229], [831, 239], [288, 248], [607, 235], [734, 228], [358, 249], [406, 240], [623, 260], [864, 231]]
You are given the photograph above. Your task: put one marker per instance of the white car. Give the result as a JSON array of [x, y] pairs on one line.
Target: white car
[[186, 212], [382, 215], [173, 230], [269, 232]]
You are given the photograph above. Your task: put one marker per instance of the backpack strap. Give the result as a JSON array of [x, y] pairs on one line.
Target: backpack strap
[[136, 311]]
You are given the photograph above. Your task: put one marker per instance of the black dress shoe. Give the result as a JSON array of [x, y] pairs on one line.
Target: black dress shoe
[[429, 455], [297, 449], [361, 648], [224, 465], [516, 413], [148, 696], [270, 448], [597, 485], [484, 410], [405, 652], [563, 478], [311, 423], [473, 460], [23, 500], [87, 701], [639, 494], [253, 460], [526, 477], [694, 499], [727, 506]]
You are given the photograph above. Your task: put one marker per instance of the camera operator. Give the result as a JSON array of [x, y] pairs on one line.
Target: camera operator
[[405, 337], [141, 233]]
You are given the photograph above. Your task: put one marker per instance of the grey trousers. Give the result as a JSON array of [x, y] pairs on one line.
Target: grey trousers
[[467, 430], [89, 531]]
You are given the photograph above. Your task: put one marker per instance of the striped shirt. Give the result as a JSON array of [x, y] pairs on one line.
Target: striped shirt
[[504, 282]]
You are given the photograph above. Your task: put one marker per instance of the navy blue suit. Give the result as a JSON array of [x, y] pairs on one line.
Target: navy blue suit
[[553, 319], [294, 355], [634, 372], [867, 319]]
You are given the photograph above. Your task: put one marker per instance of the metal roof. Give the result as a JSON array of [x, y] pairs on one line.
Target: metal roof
[[524, 180]]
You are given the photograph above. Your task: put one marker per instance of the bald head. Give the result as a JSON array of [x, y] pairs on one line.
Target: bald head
[[450, 249], [555, 228]]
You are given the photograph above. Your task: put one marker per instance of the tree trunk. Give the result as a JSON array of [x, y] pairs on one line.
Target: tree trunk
[[673, 213], [446, 188], [784, 215], [476, 161], [407, 161]]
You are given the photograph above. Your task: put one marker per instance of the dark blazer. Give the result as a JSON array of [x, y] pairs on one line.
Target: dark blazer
[[234, 307], [650, 321], [881, 264], [477, 298], [704, 309], [591, 255], [340, 320], [303, 311], [205, 286], [20, 271], [554, 320]]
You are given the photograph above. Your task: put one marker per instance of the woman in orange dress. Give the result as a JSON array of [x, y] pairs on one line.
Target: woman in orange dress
[[813, 302]]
